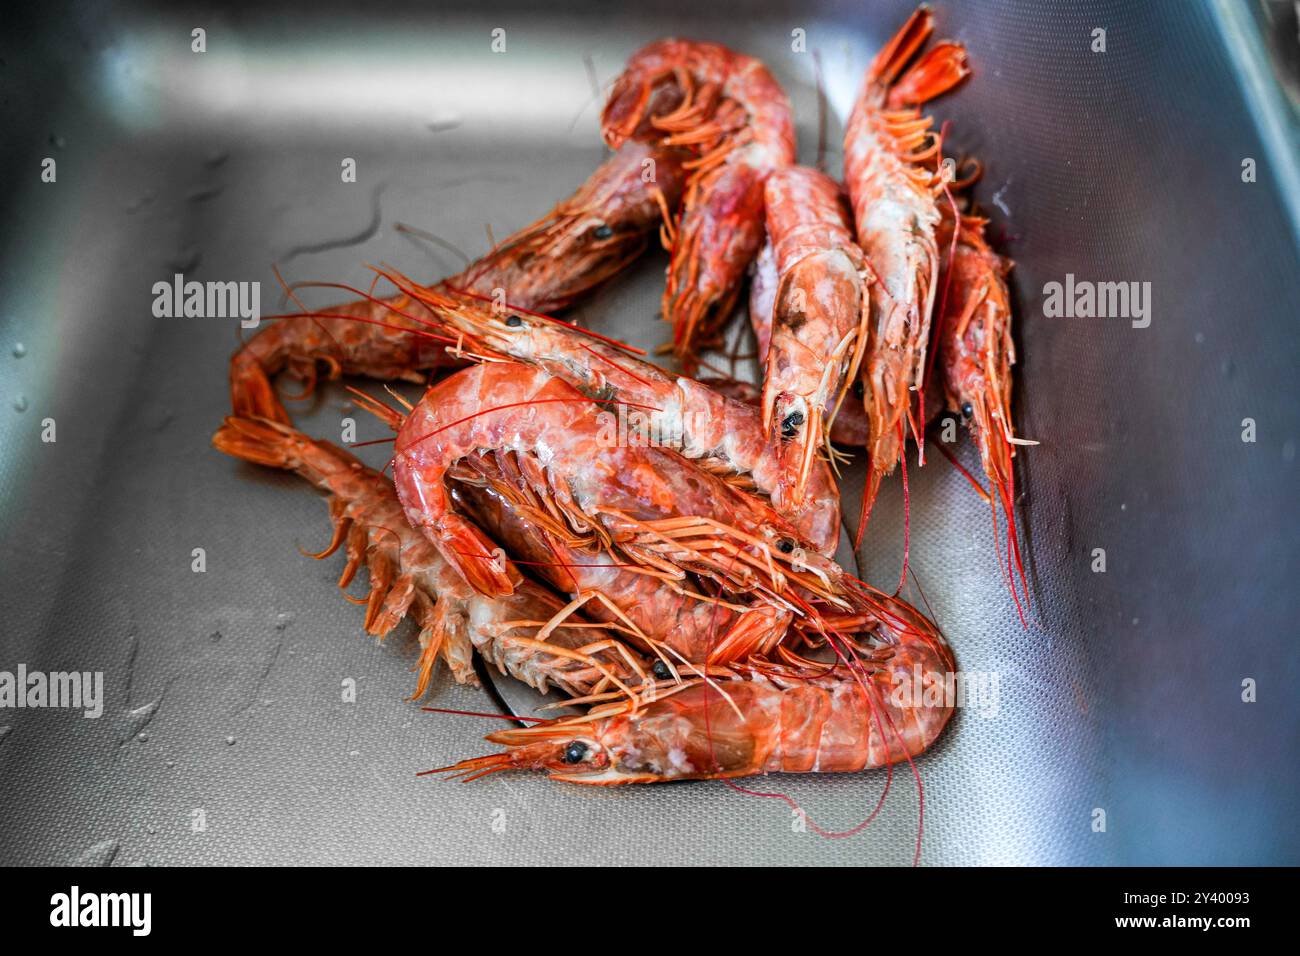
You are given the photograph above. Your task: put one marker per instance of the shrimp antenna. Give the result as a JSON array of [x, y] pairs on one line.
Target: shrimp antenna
[[435, 239]]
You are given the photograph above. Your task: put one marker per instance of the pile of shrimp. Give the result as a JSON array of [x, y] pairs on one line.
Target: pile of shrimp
[[680, 592]]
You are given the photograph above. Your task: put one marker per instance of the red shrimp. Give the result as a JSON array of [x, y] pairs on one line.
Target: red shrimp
[[819, 316], [976, 353], [893, 179], [648, 505], [730, 109], [408, 575], [581, 243], [798, 717]]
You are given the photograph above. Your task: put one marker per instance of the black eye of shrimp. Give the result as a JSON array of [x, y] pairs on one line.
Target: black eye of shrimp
[[602, 232], [661, 671], [859, 390], [785, 545], [575, 752], [514, 321], [790, 425], [967, 410]]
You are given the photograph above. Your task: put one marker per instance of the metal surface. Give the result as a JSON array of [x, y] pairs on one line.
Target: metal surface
[[224, 699]]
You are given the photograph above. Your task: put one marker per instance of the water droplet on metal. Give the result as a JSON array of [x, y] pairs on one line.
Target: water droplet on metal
[[20, 403], [100, 854], [57, 141], [230, 741], [283, 620], [215, 637], [19, 350], [137, 720], [143, 738]]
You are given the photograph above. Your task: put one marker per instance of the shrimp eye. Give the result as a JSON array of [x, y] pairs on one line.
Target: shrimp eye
[[575, 752], [514, 321], [602, 232], [790, 425], [785, 546], [967, 410], [661, 670], [859, 390]]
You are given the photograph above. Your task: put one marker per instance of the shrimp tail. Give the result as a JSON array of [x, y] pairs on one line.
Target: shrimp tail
[[938, 71], [366, 519], [260, 441], [894, 55], [941, 68], [479, 560], [251, 393]]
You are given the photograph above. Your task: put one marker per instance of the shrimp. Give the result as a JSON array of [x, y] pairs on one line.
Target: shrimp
[[724, 435], [730, 109], [893, 181], [648, 505], [655, 614], [582, 242], [976, 353], [887, 703], [408, 575], [819, 316]]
